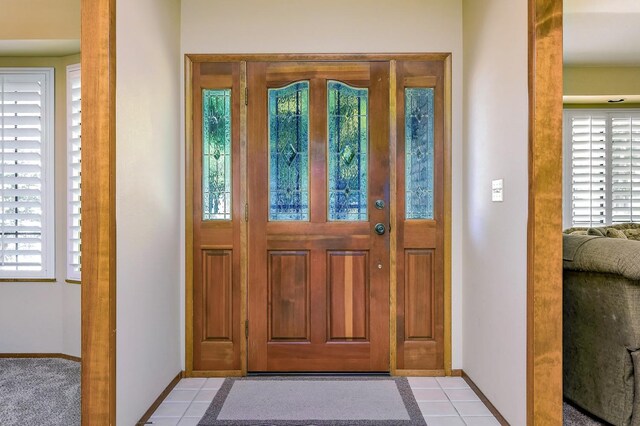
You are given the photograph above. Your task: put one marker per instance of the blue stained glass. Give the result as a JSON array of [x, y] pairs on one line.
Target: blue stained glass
[[216, 154], [289, 152], [419, 153], [347, 151]]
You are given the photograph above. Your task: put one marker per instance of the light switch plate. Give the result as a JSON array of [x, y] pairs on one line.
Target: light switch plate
[[497, 190]]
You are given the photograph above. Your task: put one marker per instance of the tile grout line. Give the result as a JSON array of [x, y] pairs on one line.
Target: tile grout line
[[451, 401]]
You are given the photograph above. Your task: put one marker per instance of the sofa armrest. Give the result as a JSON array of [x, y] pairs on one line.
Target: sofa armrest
[[606, 255]]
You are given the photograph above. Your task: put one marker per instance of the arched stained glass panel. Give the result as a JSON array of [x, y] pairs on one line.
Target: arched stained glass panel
[[289, 152], [347, 118]]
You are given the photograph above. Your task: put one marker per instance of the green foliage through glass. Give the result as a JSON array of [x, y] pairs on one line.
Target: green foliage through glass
[[419, 153], [216, 154], [347, 151], [289, 152]]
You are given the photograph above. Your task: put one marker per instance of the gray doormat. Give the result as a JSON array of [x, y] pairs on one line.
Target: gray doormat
[[39, 392], [305, 401]]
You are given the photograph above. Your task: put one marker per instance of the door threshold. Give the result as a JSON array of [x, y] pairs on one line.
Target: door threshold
[[319, 374]]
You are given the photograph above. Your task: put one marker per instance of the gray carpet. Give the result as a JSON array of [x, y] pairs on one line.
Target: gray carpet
[[303, 401], [39, 392], [575, 417]]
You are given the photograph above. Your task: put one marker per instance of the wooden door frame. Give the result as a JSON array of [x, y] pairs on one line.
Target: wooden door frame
[[243, 58], [98, 382], [544, 242]]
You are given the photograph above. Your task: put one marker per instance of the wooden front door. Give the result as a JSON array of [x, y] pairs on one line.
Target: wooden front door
[[316, 228], [318, 182]]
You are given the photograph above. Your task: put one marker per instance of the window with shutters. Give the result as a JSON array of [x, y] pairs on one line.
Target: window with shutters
[[73, 172], [26, 162], [601, 167]]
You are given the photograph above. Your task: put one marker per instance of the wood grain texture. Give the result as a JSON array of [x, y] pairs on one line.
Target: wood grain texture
[[485, 400], [188, 217], [147, 415], [356, 346], [418, 348], [244, 248], [215, 238], [393, 218], [419, 294], [448, 191], [298, 64], [288, 295], [280, 57], [98, 213], [217, 292], [544, 254], [348, 295]]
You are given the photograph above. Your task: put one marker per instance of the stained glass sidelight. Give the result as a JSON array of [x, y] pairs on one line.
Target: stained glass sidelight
[[289, 152], [216, 154], [347, 151], [419, 153]]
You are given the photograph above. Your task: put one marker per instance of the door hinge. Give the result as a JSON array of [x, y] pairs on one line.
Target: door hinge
[[246, 212], [246, 96], [246, 329]]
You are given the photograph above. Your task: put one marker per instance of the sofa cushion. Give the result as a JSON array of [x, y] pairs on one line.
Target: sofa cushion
[[598, 232], [632, 234], [615, 233], [607, 255]]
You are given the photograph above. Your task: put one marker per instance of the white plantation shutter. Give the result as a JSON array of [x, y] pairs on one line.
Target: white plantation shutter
[[625, 168], [602, 167], [588, 170], [73, 171], [26, 173]]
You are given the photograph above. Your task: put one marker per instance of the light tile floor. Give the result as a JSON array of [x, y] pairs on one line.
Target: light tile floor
[[444, 401]]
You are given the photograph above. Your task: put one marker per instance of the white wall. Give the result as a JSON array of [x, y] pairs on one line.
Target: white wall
[[495, 234], [30, 318], [45, 317], [354, 26], [147, 202]]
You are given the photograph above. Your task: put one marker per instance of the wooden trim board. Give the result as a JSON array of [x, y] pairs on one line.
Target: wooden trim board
[[283, 57], [188, 190], [544, 242], [98, 213], [154, 406], [484, 399], [40, 355]]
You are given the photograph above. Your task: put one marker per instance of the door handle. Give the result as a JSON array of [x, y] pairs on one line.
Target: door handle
[[379, 228]]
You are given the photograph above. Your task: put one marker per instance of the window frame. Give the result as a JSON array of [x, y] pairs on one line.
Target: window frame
[[48, 236], [71, 275], [567, 190]]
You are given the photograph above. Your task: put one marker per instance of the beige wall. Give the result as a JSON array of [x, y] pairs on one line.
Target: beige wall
[[605, 81], [495, 234], [39, 19], [310, 26], [147, 202], [45, 317]]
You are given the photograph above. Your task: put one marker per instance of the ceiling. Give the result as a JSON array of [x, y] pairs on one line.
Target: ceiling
[[602, 33], [39, 27]]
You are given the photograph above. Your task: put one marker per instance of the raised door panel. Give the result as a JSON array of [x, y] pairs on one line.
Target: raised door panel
[[348, 295], [217, 295], [419, 291], [288, 296]]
